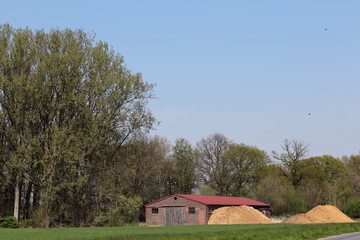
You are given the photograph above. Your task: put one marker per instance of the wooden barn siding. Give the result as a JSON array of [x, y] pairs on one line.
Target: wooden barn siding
[[198, 218]]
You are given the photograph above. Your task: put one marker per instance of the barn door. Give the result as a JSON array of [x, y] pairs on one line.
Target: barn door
[[174, 215]]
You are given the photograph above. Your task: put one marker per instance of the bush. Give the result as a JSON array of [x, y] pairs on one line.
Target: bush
[[127, 210], [352, 208], [9, 222], [40, 217], [28, 223]]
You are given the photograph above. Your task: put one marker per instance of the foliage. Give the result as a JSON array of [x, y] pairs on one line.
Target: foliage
[[129, 207], [325, 181], [353, 168], [208, 191], [280, 194], [126, 210], [352, 208], [185, 164], [9, 222], [247, 164], [40, 217], [67, 106], [141, 168]]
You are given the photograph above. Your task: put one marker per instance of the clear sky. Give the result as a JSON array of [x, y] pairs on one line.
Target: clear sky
[[252, 70]]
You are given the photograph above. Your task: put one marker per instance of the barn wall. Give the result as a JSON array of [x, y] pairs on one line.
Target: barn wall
[[197, 218]]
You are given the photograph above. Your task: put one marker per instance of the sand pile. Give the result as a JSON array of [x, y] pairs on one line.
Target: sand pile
[[320, 214], [328, 214], [238, 215], [300, 218]]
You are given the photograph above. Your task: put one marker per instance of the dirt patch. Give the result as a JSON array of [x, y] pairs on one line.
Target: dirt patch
[[238, 215], [320, 214]]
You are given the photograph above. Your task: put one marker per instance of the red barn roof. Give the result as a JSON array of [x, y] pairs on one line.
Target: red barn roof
[[216, 200]]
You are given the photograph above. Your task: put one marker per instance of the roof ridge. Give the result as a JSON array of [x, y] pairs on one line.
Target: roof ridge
[[214, 200]]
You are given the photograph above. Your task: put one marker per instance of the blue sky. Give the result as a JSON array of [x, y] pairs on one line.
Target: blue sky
[[252, 70]]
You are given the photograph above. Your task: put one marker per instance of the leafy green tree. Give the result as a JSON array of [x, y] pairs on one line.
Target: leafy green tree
[[325, 181], [352, 208], [125, 210], [185, 163], [206, 190], [247, 164], [67, 106]]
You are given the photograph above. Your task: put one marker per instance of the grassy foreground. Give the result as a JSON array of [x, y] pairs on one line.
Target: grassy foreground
[[213, 232]]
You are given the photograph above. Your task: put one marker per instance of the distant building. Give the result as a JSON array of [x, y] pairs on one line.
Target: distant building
[[180, 209]]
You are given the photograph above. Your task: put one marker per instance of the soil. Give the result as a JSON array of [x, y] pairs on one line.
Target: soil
[[320, 214], [238, 215]]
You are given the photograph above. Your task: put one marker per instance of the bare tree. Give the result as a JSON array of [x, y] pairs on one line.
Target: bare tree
[[294, 152], [214, 167]]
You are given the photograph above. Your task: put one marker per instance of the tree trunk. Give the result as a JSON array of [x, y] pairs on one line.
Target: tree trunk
[[17, 198], [27, 201]]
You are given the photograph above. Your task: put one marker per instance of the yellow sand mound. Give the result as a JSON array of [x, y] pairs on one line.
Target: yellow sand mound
[[320, 214], [238, 215], [300, 218], [328, 214]]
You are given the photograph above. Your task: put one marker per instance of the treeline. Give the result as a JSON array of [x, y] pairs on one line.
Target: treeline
[[148, 168], [75, 147]]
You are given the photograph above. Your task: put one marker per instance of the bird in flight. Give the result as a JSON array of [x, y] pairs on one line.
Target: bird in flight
[[325, 29]]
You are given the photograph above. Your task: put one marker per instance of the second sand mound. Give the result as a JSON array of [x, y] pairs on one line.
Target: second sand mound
[[328, 214], [320, 214], [238, 215]]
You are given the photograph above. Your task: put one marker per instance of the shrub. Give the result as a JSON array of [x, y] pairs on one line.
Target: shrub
[[352, 208], [28, 223], [126, 210], [9, 222], [41, 217]]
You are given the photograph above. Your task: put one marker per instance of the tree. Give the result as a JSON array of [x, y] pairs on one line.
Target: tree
[[324, 181], [67, 106], [246, 163], [280, 194], [185, 163], [215, 169], [142, 167], [294, 152], [352, 208], [353, 168]]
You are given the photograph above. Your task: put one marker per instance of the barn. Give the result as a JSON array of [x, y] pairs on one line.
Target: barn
[[181, 209]]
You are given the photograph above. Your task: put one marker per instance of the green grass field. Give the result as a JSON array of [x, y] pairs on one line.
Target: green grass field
[[224, 232]]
